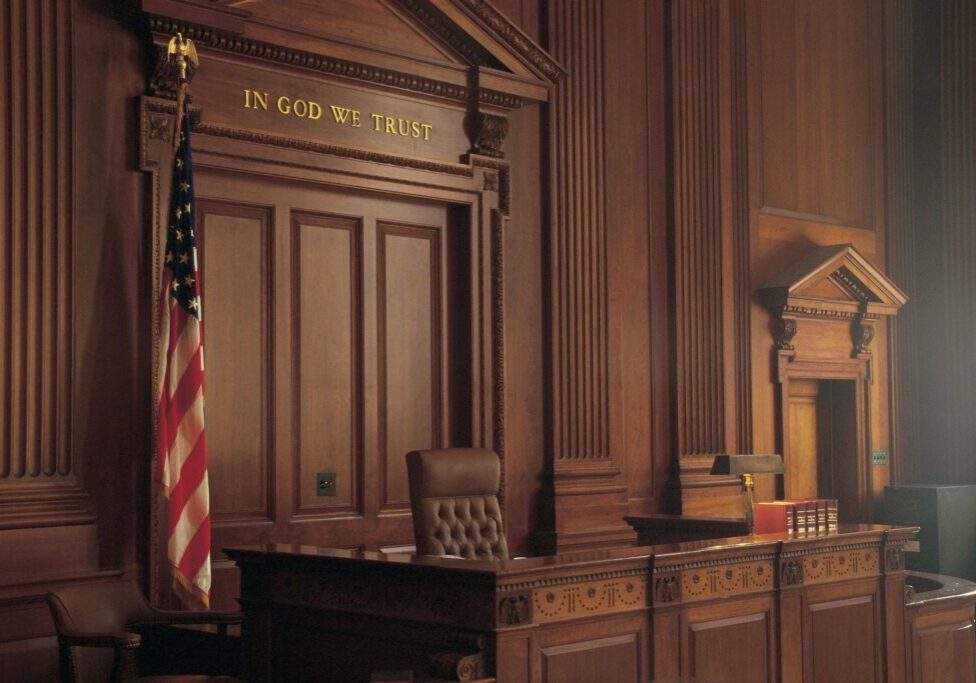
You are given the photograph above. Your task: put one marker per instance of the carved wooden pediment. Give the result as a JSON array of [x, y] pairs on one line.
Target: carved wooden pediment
[[382, 42], [831, 282]]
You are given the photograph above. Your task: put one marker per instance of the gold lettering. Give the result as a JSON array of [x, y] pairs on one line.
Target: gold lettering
[[314, 111], [377, 120], [356, 123], [340, 114], [427, 128], [403, 127], [300, 108], [284, 105], [415, 129], [391, 125], [254, 100]]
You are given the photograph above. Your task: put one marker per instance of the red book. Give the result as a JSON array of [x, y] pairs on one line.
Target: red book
[[775, 516]]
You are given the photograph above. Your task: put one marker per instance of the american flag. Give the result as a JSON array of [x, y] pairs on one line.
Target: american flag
[[182, 445]]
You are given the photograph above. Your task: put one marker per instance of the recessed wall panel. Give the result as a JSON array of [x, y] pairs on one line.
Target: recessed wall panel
[[234, 262], [329, 323], [408, 319]]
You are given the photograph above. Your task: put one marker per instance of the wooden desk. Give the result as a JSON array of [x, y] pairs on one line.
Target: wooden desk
[[757, 608]]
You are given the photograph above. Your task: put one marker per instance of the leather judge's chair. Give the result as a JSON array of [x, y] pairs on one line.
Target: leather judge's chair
[[100, 629], [454, 500]]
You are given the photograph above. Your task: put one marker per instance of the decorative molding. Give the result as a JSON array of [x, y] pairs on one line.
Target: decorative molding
[[722, 581], [577, 578], [557, 603], [335, 150], [160, 128], [840, 566], [496, 98], [445, 30], [498, 223], [515, 39], [229, 42]]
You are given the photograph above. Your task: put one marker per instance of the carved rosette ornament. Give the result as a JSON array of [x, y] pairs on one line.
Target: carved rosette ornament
[[486, 133]]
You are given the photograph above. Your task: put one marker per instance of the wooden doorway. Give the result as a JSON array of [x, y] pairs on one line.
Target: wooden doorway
[[823, 460]]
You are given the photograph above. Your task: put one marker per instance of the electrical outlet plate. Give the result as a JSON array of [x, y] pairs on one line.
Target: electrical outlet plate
[[325, 484], [879, 457]]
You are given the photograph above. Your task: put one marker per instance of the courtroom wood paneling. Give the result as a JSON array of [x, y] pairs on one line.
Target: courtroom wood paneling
[[235, 240], [702, 228], [819, 132], [329, 337], [736, 649], [958, 113], [589, 499], [409, 347], [816, 158], [901, 247], [613, 658], [36, 258], [842, 640], [942, 646]]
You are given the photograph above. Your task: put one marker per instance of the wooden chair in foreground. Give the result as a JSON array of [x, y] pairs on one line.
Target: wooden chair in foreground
[[100, 628], [454, 500]]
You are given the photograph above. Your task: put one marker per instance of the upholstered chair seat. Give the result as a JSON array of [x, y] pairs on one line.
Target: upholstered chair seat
[[454, 499]]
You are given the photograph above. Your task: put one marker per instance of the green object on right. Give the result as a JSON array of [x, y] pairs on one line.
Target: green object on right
[[946, 516]]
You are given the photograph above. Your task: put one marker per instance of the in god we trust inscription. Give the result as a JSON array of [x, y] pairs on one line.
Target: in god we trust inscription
[[383, 123]]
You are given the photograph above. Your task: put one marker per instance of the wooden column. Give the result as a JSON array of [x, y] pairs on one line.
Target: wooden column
[[711, 247], [37, 474], [589, 500]]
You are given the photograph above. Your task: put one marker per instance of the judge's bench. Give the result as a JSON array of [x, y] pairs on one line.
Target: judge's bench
[[775, 607]]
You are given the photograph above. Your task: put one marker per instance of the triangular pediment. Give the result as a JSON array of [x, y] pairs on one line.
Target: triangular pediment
[[834, 278], [438, 40]]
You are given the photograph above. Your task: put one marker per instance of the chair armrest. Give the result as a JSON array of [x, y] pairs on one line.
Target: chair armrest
[[114, 639], [173, 617]]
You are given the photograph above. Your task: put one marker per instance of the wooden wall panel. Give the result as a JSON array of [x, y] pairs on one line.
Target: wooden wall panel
[[328, 280], [409, 344], [234, 265], [817, 122], [841, 640], [715, 644]]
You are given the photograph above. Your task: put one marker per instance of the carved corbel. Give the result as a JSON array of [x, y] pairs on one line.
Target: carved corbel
[[791, 573], [486, 132], [784, 331], [667, 589], [515, 609], [862, 334]]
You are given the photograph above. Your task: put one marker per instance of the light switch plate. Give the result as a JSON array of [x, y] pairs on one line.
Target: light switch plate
[[325, 484], [879, 457]]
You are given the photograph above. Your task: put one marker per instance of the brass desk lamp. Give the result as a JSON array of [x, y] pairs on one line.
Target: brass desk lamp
[[746, 466]]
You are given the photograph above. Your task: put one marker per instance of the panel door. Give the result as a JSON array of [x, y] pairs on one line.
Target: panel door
[[328, 341]]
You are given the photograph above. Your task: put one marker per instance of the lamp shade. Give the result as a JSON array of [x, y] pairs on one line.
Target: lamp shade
[[747, 464]]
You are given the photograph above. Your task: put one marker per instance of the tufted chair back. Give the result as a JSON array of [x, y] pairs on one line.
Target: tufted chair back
[[454, 499]]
